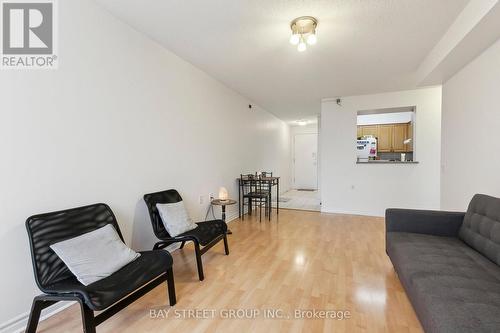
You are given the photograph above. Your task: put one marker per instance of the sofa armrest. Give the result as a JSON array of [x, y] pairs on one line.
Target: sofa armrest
[[431, 222]]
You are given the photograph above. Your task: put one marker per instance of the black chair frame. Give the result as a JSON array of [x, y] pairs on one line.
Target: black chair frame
[[89, 320], [172, 196], [266, 173], [254, 189]]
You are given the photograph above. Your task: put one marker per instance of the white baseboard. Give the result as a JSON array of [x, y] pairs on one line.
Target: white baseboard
[[231, 217], [19, 323], [349, 212]]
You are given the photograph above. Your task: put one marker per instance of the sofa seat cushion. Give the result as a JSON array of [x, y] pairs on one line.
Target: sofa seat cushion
[[452, 287], [103, 293]]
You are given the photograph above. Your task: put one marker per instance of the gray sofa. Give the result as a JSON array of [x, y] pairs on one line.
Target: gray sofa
[[448, 264]]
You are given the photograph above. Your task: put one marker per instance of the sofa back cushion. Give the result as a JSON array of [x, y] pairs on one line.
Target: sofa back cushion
[[481, 227]]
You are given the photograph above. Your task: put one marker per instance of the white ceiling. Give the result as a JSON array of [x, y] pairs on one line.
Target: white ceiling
[[364, 46]]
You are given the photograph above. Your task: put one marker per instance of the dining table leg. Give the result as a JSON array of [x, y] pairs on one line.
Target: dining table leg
[[270, 206], [277, 196], [239, 199], [270, 200]]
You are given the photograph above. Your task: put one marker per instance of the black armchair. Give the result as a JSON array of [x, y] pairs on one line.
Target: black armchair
[[207, 234], [110, 294]]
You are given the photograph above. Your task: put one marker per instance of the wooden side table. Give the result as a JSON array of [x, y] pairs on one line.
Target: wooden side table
[[223, 204]]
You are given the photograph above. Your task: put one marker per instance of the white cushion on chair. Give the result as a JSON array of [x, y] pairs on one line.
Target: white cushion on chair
[[175, 218], [95, 255]]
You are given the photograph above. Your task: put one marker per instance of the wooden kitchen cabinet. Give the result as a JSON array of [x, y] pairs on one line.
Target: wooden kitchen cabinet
[[384, 142], [398, 138], [409, 135], [390, 137], [370, 130]]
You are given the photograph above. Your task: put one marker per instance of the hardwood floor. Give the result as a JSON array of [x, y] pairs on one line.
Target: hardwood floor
[[303, 260]]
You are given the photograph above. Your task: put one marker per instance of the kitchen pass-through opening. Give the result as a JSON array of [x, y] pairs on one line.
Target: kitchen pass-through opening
[[386, 135]]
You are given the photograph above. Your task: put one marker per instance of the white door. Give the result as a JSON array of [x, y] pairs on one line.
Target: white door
[[306, 161]]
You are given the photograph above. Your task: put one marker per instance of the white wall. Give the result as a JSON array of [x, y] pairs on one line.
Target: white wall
[[385, 118], [120, 117], [470, 128], [367, 188], [307, 129]]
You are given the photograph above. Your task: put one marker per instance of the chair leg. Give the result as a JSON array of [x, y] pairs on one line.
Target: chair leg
[[260, 210], [198, 261], [239, 200], [226, 247], [269, 208], [36, 308], [171, 286], [243, 209], [87, 318], [182, 244], [270, 204]]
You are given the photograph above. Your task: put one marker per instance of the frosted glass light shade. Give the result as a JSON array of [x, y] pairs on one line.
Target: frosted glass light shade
[[302, 47], [294, 39], [223, 193], [312, 39]]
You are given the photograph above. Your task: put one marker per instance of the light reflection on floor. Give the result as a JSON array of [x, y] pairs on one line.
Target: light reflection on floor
[[371, 296]]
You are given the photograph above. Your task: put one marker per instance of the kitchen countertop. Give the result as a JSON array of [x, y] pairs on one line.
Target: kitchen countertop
[[386, 162]]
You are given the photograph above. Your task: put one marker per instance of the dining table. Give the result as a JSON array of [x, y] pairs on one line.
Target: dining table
[[271, 181]]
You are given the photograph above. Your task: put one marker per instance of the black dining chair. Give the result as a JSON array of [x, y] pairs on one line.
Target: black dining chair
[[267, 186], [110, 294], [266, 174], [204, 236], [254, 193]]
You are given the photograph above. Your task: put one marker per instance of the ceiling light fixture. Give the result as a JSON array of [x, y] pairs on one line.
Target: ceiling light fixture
[[303, 32], [301, 122]]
